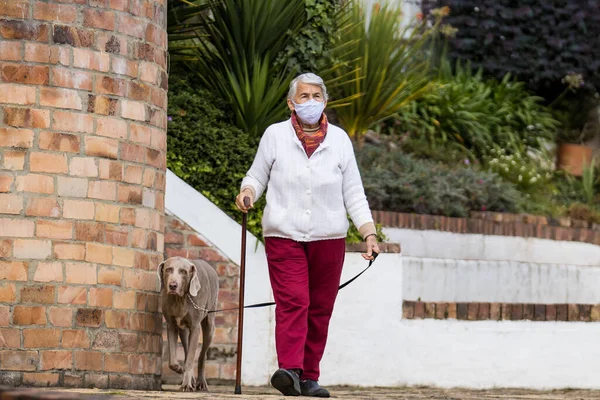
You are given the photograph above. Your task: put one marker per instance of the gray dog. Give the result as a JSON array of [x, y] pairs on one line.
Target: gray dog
[[189, 289]]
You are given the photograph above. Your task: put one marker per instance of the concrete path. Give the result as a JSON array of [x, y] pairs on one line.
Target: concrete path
[[266, 393]]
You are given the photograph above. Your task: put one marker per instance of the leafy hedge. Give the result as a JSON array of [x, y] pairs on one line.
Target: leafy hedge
[[396, 181], [538, 41], [205, 149]]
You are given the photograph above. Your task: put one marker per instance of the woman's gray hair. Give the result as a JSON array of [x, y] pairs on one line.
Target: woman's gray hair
[[308, 78]]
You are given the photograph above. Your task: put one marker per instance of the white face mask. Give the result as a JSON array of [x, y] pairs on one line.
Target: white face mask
[[310, 112]]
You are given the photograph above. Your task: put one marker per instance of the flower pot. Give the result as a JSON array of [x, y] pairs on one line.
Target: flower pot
[[573, 157]]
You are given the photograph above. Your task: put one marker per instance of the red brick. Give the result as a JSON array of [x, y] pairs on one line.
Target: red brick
[[121, 5], [59, 142], [83, 166], [138, 91], [102, 190], [117, 235], [61, 316], [149, 72], [72, 295], [116, 363], [72, 122], [88, 360], [11, 204], [72, 187], [6, 182], [27, 74], [69, 251], [10, 338], [110, 43], [130, 194], [41, 379], [134, 153], [12, 160], [56, 359], [54, 229], [127, 216], [38, 294], [108, 85], [13, 270], [54, 12], [60, 98], [101, 297], [40, 338], [111, 127], [73, 36], [117, 319], [594, 313], [10, 137], [75, 339], [194, 240], [60, 55], [107, 212], [14, 8], [124, 300], [140, 279], [132, 26], [98, 253], [24, 30], [80, 273], [110, 170], [87, 59], [37, 52], [101, 147], [5, 248], [100, 19], [24, 315], [8, 293], [48, 162], [17, 94], [73, 381], [89, 317], [110, 276], [10, 51], [102, 105], [48, 272], [122, 66], [70, 78], [133, 174], [89, 231], [133, 110], [149, 178], [26, 117], [159, 98], [35, 183], [18, 360]]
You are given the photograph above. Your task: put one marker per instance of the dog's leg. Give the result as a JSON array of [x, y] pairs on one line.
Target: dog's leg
[[184, 335], [188, 384], [208, 331], [172, 339]]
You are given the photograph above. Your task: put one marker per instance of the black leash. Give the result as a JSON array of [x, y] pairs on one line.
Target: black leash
[[272, 303]]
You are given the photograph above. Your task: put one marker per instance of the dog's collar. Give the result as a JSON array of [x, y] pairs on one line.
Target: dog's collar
[[196, 306]]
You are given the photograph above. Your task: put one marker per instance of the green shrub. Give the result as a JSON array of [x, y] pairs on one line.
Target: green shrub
[[205, 149], [395, 181], [464, 108]]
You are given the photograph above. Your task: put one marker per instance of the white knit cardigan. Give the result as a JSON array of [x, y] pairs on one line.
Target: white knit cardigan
[[307, 198]]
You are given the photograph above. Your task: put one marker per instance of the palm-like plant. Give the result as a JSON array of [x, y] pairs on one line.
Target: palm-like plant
[[385, 66], [234, 52]]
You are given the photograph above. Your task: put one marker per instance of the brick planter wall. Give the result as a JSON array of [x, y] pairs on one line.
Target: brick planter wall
[[182, 240], [82, 158]]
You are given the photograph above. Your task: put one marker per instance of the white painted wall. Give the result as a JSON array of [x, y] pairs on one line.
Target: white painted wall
[[444, 266]]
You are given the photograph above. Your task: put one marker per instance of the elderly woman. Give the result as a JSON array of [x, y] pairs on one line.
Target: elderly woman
[[313, 181]]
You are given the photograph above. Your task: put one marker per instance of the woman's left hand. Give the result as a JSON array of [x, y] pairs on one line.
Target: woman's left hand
[[371, 247]]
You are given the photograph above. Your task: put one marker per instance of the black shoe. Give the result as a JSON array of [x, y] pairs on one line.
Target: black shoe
[[311, 388], [287, 381]]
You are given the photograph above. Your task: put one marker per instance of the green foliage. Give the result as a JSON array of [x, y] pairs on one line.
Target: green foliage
[[465, 108], [589, 182], [354, 236], [526, 173], [205, 150], [395, 181], [383, 67], [584, 212], [237, 44], [310, 50]]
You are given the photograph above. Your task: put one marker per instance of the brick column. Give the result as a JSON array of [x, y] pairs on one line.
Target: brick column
[[82, 180]]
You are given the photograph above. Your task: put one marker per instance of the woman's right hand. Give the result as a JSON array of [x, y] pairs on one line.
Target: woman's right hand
[[239, 200]]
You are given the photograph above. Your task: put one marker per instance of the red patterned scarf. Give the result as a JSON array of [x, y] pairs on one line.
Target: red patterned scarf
[[310, 142]]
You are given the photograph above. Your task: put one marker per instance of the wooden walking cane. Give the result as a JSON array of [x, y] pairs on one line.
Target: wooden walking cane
[[238, 371]]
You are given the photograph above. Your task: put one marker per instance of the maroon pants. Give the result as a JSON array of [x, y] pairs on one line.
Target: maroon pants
[[304, 277]]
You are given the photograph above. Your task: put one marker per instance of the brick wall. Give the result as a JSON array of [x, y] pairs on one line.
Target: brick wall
[[82, 178], [182, 240], [503, 224]]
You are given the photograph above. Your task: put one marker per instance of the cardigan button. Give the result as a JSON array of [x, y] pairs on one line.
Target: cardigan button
[[307, 212]]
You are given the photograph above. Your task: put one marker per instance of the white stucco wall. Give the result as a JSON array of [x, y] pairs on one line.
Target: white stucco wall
[[371, 345], [443, 266]]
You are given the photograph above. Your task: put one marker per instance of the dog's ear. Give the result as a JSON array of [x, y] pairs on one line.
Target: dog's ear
[[159, 273], [195, 281]]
